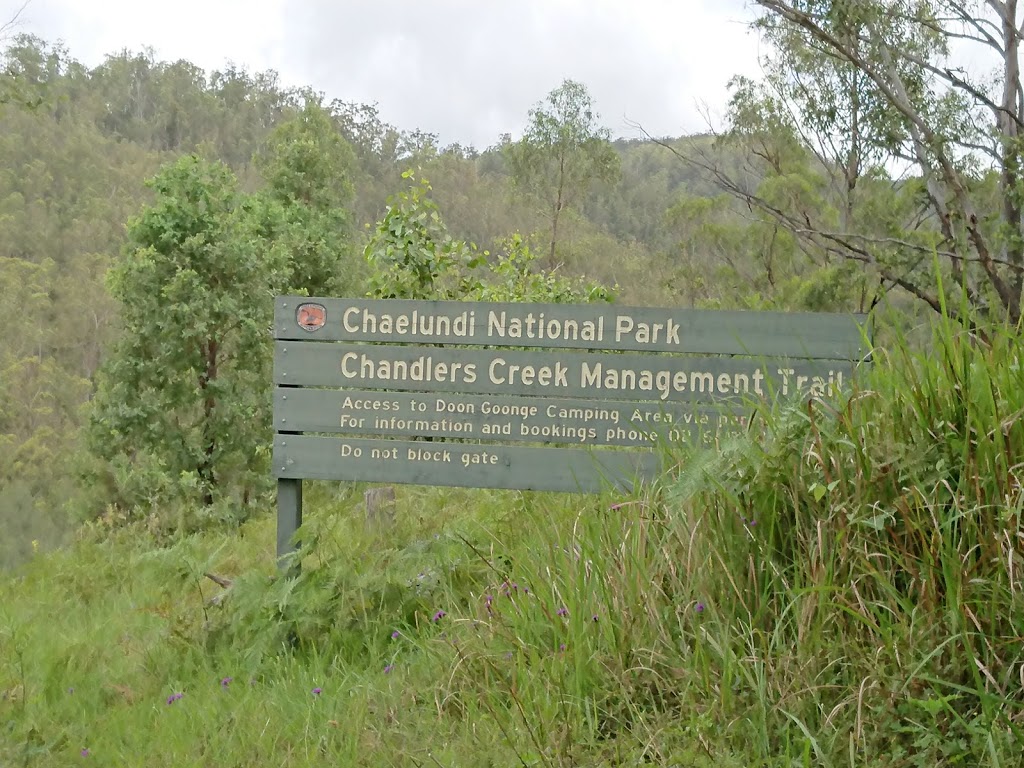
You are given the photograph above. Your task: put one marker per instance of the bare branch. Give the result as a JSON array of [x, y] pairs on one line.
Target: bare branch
[[925, 139], [952, 256], [953, 180], [949, 75], [985, 28], [853, 246], [986, 40], [998, 6], [219, 580], [15, 21], [988, 150]]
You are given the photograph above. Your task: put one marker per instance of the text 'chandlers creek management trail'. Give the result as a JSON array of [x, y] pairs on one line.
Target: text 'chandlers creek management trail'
[[661, 383]]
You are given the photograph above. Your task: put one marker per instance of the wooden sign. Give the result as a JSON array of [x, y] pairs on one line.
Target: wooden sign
[[569, 398]]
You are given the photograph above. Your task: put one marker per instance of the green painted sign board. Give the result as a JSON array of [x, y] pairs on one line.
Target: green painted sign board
[[544, 397]]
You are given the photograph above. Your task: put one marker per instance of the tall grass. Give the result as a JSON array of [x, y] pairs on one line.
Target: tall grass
[[841, 587]]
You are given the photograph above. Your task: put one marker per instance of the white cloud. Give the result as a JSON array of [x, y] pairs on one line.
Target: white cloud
[[209, 34], [467, 70]]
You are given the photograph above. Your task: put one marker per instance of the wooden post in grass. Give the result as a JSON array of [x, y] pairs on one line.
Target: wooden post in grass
[[380, 506], [289, 516]]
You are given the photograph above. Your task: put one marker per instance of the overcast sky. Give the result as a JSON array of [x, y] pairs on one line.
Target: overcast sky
[[467, 70]]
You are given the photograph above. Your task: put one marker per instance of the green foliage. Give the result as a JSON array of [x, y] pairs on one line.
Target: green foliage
[[29, 69], [726, 260], [182, 409], [413, 256], [308, 168], [846, 117], [842, 586], [305, 161], [39, 415], [839, 586], [881, 529], [515, 276], [182, 394], [562, 153], [72, 172], [411, 253]]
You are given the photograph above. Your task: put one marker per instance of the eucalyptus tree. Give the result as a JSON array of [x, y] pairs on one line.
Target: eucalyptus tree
[[892, 152], [562, 152]]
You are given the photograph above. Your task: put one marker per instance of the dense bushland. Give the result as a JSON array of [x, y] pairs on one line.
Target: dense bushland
[[842, 586]]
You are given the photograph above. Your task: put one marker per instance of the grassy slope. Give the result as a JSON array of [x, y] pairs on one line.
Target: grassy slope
[[844, 590]]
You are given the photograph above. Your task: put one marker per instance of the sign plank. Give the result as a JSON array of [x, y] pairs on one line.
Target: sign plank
[[468, 378], [459, 464], [807, 335], [499, 418], [551, 374]]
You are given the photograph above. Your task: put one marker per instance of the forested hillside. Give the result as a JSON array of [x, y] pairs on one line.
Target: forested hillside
[[78, 146], [799, 203]]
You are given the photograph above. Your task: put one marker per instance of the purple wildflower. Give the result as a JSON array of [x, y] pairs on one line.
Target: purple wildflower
[[395, 635], [174, 697], [614, 507], [225, 682], [388, 668], [439, 615], [595, 617], [317, 691], [85, 752], [561, 646], [562, 611], [699, 607]]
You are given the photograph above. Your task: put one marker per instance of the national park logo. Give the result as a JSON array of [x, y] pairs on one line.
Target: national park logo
[[311, 317]]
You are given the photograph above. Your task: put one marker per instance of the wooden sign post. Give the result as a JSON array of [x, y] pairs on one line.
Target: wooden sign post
[[547, 397]]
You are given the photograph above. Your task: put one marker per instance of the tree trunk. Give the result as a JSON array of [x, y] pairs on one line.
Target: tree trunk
[[559, 203], [853, 159], [208, 376], [1009, 123]]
